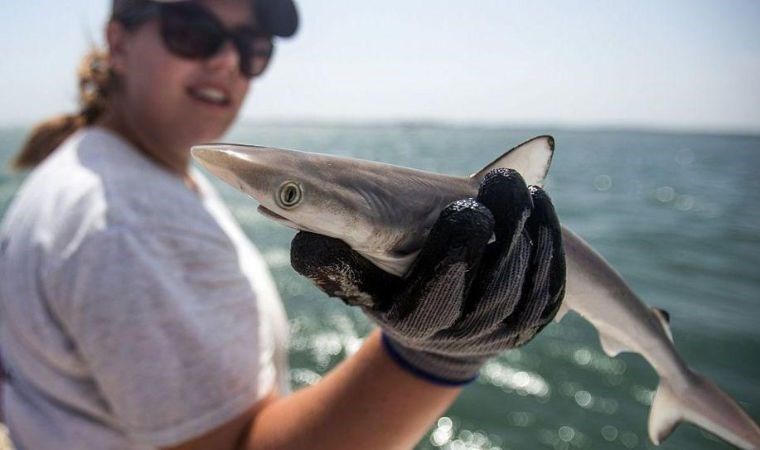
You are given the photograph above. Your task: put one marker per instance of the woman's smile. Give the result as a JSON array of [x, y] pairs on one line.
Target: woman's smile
[[210, 95]]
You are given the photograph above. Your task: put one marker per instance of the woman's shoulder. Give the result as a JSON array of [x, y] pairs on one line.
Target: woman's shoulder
[[95, 181], [136, 190]]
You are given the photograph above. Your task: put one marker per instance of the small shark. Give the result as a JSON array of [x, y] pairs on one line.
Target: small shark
[[384, 212]]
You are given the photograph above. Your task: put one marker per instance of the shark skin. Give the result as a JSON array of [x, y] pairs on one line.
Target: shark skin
[[384, 212]]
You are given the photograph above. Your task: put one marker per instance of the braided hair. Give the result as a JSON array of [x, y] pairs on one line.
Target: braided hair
[[96, 82]]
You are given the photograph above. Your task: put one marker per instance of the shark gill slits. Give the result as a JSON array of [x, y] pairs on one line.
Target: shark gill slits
[[289, 195]]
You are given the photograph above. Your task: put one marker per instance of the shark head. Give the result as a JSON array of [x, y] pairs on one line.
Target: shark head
[[382, 211], [291, 187]]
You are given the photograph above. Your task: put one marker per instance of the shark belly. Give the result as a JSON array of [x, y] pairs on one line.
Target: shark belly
[[624, 323]]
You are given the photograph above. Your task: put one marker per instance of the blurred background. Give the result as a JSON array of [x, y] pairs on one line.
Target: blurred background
[[655, 107]]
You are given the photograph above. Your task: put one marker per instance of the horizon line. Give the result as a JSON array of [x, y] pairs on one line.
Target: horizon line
[[506, 125], [548, 126]]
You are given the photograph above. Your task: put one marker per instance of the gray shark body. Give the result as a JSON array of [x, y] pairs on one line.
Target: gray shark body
[[384, 212]]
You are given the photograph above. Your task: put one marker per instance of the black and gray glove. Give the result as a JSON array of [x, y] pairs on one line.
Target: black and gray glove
[[464, 299]]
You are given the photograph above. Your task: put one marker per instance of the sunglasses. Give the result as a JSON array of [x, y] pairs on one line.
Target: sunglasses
[[189, 30]]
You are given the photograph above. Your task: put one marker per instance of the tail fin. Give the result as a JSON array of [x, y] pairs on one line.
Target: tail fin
[[704, 404], [531, 159]]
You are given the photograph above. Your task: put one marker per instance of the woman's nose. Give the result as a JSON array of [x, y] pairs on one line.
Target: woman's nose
[[226, 58]]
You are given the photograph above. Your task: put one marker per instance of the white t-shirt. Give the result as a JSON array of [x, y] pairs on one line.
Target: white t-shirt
[[134, 312]]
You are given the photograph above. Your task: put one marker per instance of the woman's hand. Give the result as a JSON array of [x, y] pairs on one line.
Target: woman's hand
[[467, 297]]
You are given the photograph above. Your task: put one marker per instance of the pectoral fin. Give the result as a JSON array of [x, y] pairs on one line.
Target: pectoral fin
[[396, 265]]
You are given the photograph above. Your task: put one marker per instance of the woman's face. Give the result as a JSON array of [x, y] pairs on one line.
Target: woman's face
[[168, 103]]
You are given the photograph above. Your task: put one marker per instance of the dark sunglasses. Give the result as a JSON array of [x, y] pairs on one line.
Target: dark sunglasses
[[190, 30]]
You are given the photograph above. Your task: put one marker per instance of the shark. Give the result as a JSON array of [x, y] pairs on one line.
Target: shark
[[384, 212]]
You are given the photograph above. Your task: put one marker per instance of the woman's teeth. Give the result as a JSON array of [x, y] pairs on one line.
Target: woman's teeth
[[211, 95]]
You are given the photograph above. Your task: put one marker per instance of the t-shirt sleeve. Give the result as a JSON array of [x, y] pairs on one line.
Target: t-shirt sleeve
[[169, 327]]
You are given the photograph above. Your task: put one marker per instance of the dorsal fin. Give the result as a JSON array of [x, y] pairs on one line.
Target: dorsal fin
[[661, 312], [663, 317], [531, 159]]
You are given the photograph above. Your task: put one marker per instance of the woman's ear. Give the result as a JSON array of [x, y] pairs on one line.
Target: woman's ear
[[116, 39]]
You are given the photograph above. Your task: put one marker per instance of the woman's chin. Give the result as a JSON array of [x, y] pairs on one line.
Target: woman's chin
[[210, 128], [207, 131]]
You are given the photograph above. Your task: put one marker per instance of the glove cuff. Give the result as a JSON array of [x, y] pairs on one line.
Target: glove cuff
[[438, 369]]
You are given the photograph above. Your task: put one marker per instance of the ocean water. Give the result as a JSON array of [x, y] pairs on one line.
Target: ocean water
[[678, 215]]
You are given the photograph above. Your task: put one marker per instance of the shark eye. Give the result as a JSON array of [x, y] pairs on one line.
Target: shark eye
[[289, 195]]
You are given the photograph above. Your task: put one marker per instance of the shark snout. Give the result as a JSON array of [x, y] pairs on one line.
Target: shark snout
[[213, 157], [224, 162]]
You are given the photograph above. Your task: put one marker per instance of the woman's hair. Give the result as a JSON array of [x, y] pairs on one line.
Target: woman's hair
[[96, 82]]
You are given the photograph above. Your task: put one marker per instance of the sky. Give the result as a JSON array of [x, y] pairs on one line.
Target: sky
[[676, 64]]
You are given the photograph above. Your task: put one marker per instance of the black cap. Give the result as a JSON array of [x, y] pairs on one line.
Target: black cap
[[278, 17]]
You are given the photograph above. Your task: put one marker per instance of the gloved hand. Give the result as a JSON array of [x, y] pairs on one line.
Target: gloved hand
[[464, 299]]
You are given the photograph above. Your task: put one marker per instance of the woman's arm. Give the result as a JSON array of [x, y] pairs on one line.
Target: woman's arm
[[366, 402]]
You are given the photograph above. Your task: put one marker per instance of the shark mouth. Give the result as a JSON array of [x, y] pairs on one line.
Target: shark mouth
[[269, 214]]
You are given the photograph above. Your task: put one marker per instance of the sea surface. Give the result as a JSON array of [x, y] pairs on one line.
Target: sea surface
[[678, 215]]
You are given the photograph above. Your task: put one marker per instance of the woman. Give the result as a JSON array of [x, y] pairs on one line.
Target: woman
[[135, 313]]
